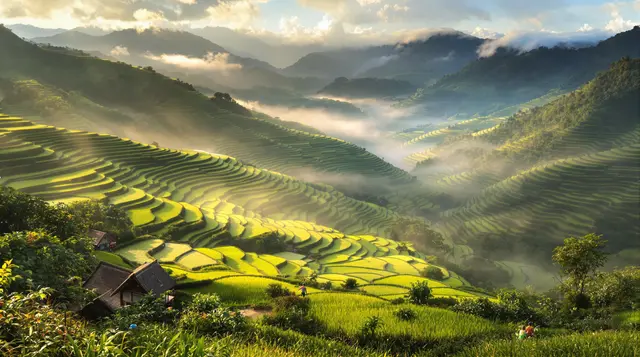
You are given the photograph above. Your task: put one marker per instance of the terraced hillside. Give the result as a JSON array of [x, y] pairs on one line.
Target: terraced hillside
[[195, 191], [210, 212], [152, 107], [567, 168]]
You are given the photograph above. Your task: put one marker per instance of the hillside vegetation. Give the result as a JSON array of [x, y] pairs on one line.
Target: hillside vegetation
[[571, 166], [157, 108]]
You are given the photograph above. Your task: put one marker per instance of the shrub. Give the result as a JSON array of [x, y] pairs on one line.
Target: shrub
[[350, 284], [220, 321], [405, 314], [148, 309], [397, 301], [442, 302], [284, 303], [326, 285], [369, 329], [203, 302], [277, 290], [432, 272], [480, 307], [292, 313], [419, 293]]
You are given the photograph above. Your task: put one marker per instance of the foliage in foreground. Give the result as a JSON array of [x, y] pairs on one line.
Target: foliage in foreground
[[620, 344]]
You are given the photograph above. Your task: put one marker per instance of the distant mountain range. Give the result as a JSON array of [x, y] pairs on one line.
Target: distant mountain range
[[418, 62], [146, 48], [510, 77]]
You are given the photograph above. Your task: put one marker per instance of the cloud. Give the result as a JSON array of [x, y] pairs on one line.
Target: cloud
[[84, 11], [485, 33], [617, 22], [527, 41], [435, 12], [119, 51], [218, 62], [147, 15], [235, 13]]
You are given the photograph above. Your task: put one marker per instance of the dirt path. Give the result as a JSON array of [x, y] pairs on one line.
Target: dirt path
[[254, 314]]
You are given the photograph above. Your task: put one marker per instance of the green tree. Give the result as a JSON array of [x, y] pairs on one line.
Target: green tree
[[42, 259], [419, 293], [579, 259], [419, 233]]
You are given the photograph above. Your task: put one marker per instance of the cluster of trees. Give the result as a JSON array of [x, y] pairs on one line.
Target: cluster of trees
[[49, 244]]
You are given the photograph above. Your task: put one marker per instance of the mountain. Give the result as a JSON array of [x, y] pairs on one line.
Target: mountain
[[146, 48], [571, 166], [277, 54], [509, 77], [144, 105], [367, 88], [29, 31], [418, 62]]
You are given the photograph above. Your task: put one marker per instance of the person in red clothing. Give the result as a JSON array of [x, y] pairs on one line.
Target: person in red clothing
[[303, 290], [529, 330]]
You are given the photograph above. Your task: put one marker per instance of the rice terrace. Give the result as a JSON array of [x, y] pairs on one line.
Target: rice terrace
[[348, 178]]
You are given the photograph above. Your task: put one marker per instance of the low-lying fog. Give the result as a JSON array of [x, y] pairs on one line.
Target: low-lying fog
[[373, 131]]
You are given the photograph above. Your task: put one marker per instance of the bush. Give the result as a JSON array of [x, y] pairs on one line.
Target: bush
[[419, 293], [397, 301], [285, 303], [148, 309], [442, 302], [405, 314], [277, 290], [220, 321], [432, 272], [369, 329], [203, 302], [326, 285], [292, 313], [350, 284]]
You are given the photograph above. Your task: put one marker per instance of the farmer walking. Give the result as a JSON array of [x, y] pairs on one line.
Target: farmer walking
[[303, 290]]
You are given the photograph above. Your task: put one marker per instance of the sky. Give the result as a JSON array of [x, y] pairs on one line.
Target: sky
[[334, 20]]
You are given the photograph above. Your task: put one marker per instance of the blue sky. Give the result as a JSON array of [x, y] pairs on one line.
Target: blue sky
[[300, 20]]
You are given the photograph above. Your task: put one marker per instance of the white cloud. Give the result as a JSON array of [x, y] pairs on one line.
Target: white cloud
[[390, 11], [218, 62], [147, 15], [617, 22], [482, 32], [527, 41], [188, 2], [585, 28], [119, 51], [235, 13]]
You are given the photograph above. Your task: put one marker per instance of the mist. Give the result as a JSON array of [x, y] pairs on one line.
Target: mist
[[373, 131]]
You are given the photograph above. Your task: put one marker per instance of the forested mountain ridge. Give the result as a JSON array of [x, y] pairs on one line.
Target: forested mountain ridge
[[418, 61], [148, 47], [571, 166], [509, 77]]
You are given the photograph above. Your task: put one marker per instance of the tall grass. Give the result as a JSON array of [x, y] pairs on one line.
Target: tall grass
[[603, 344], [343, 316]]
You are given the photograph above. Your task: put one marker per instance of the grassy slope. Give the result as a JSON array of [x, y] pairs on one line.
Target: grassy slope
[[570, 166]]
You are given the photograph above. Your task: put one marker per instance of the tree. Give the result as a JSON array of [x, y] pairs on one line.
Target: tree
[[419, 233], [432, 272], [579, 259], [419, 293]]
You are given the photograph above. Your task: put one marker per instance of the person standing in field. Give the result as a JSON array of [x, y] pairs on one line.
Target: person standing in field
[[530, 330], [303, 290], [523, 333]]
